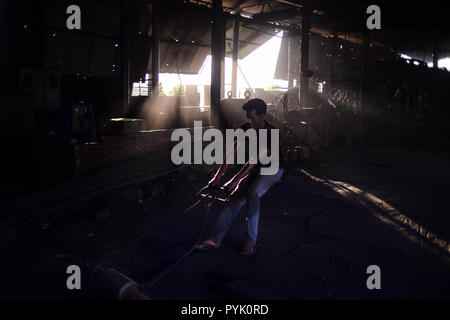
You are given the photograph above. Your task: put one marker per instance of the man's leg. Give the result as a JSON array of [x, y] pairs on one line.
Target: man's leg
[[255, 192], [227, 216]]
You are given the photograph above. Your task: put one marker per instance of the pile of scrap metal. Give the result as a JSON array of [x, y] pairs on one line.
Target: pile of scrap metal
[[332, 117]]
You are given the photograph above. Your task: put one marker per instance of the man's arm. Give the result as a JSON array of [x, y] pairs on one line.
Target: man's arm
[[215, 181], [233, 184]]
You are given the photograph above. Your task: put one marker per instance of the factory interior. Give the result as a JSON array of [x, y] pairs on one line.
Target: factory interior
[[92, 91]]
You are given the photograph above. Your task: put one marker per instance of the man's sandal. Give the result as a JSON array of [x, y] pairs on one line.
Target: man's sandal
[[248, 249], [206, 245]]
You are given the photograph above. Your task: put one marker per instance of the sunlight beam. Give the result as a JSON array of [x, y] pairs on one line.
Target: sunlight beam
[[390, 215]]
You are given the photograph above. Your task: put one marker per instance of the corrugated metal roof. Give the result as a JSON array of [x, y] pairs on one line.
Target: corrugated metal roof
[[186, 32], [186, 38], [90, 52], [95, 50]]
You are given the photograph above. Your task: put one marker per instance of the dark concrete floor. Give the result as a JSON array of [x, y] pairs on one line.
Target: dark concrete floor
[[320, 228], [316, 243]]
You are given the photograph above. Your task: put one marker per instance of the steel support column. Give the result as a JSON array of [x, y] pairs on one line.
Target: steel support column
[[436, 53], [304, 62], [292, 53], [217, 53], [364, 61], [365, 47], [333, 52], [236, 24], [155, 46], [124, 58]]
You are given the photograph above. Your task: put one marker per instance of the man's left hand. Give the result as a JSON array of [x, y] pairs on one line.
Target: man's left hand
[[231, 186]]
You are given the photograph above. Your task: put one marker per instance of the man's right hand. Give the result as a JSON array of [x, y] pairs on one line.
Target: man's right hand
[[215, 182]]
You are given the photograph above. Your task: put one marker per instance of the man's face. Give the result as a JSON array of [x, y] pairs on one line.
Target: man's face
[[256, 121]]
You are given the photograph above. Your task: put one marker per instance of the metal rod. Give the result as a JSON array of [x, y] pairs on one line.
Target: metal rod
[[291, 3], [245, 78]]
